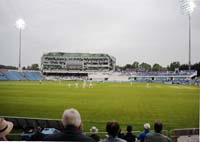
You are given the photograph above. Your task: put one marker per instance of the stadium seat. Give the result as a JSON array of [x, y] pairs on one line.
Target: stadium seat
[[14, 75], [32, 75]]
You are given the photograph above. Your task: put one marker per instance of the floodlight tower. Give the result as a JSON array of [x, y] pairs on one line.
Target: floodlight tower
[[187, 7], [20, 24]]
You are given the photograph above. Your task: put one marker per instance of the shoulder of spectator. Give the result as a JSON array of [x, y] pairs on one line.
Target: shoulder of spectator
[[91, 139], [122, 140], [147, 138], [168, 139], [149, 134], [139, 135]]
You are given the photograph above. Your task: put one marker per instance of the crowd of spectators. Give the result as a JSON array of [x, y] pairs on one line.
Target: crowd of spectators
[[157, 73], [73, 131]]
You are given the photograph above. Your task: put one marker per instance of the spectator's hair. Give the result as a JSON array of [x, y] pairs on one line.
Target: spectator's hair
[[112, 128], [147, 126], [94, 129], [158, 126], [129, 128], [71, 117]]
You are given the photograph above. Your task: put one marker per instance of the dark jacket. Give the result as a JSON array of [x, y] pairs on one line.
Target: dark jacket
[[113, 139], [95, 137], [142, 135], [70, 133], [129, 137]]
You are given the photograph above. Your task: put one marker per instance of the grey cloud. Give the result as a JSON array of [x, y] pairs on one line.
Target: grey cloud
[[152, 31]]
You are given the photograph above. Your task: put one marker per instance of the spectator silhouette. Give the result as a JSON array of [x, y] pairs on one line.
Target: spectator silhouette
[[129, 137], [94, 134], [157, 136], [112, 129], [142, 135], [120, 134], [71, 120]]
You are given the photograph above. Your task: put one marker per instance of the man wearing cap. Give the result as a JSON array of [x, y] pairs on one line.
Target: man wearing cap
[[157, 136], [94, 134], [5, 128], [71, 120], [142, 135]]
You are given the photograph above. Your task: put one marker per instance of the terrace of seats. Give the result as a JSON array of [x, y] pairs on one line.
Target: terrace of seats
[[20, 75], [33, 75], [166, 73], [181, 77]]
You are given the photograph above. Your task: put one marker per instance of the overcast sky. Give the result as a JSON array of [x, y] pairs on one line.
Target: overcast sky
[[152, 31]]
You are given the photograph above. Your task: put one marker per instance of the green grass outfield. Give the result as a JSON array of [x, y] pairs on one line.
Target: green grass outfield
[[176, 105]]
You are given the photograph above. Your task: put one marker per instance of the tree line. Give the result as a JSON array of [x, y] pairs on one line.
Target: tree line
[[31, 67], [135, 66]]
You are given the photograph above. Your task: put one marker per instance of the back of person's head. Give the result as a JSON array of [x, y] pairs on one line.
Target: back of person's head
[[71, 117], [94, 130], [5, 127], [147, 126], [129, 128], [112, 128], [158, 126]]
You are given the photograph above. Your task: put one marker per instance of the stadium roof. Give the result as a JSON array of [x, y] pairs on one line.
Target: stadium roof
[[53, 54]]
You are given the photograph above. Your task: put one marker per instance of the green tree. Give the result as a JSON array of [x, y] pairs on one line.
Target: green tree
[[33, 67], [157, 67], [135, 65], [183, 67], [118, 68], [145, 66], [174, 65], [196, 66], [127, 66], [8, 67]]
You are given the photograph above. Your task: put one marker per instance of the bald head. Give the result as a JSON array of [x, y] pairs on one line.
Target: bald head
[[71, 117]]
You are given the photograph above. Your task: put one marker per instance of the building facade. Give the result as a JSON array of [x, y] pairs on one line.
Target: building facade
[[59, 62]]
